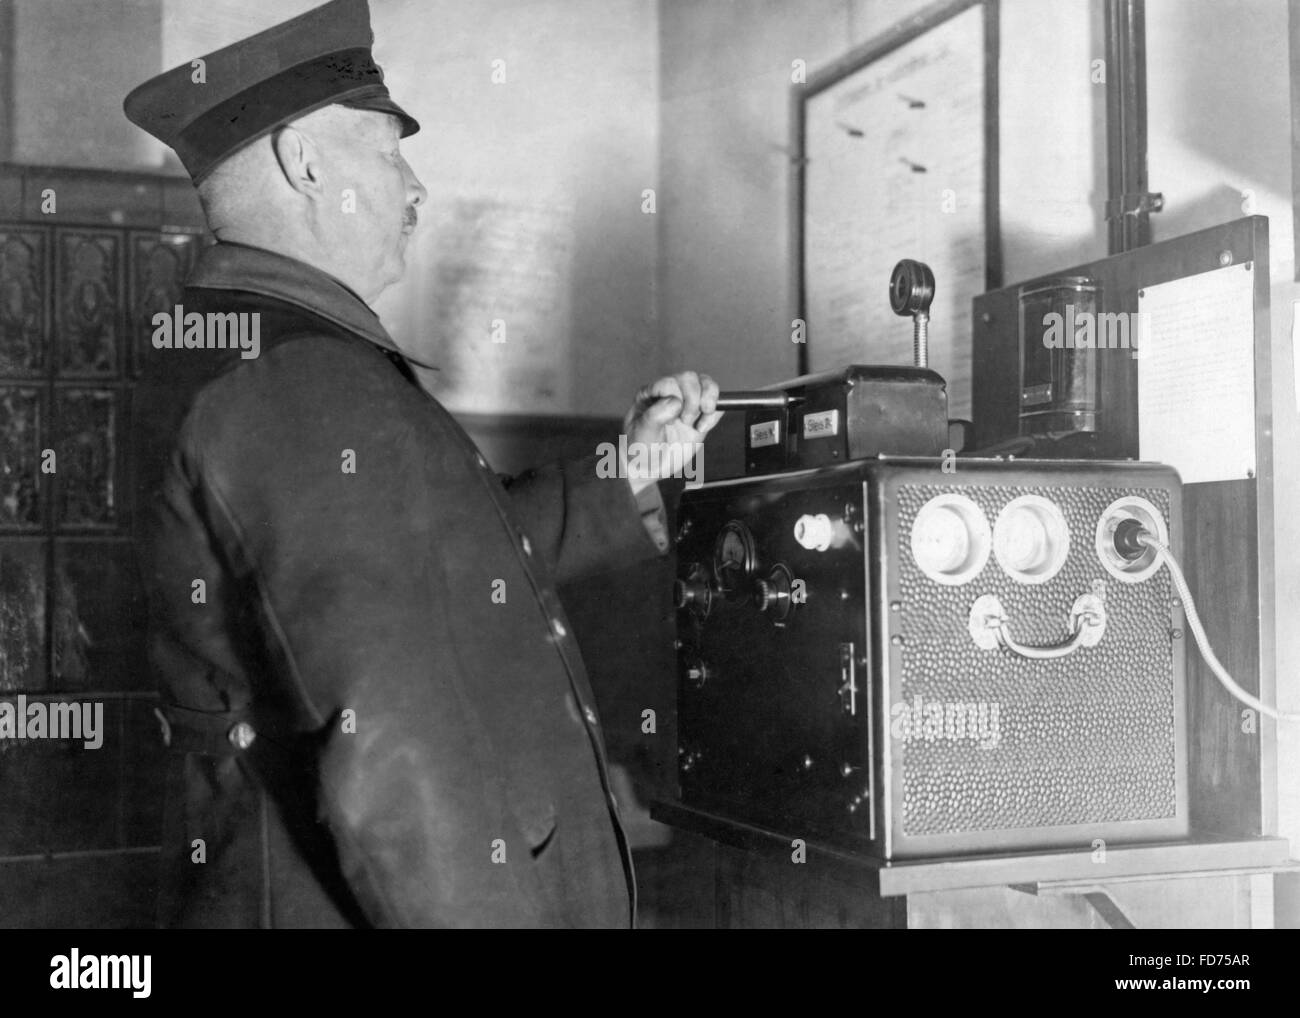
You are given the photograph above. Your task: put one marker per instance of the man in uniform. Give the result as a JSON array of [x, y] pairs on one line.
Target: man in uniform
[[377, 713]]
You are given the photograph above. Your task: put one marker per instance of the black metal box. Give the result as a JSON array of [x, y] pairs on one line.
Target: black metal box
[[843, 671], [852, 413]]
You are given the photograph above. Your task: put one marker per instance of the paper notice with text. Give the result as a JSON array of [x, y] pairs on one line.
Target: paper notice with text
[[1196, 374]]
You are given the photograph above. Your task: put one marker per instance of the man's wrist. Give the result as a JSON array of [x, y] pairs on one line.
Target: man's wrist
[[654, 515]]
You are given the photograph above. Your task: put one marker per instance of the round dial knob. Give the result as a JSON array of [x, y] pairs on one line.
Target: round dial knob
[[772, 594], [911, 287], [689, 593], [695, 592]]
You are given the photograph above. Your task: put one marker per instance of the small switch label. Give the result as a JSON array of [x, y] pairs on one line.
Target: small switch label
[[764, 434], [824, 424]]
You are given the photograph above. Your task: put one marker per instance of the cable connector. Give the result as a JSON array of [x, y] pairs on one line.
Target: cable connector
[[1128, 539]]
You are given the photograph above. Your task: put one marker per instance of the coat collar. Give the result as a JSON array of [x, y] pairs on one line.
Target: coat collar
[[239, 267]]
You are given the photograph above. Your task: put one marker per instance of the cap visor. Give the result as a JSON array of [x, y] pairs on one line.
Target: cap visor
[[384, 104]]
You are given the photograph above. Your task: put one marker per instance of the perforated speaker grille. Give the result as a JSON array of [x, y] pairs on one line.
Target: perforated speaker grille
[[1085, 739]]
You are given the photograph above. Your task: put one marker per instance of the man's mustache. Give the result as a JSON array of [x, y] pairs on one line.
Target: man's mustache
[[410, 218]]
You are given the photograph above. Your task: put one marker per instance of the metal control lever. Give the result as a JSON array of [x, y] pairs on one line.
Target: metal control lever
[[760, 399]]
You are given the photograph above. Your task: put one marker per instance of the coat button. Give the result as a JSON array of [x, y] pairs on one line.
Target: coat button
[[241, 736], [590, 715], [528, 545], [557, 627], [481, 461]]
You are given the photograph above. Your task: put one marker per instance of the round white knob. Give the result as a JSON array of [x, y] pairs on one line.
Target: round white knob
[[813, 532]]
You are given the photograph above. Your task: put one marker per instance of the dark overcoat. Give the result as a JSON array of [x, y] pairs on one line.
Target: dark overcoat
[[377, 712]]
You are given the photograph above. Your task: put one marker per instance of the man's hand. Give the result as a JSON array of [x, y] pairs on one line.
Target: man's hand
[[666, 426]]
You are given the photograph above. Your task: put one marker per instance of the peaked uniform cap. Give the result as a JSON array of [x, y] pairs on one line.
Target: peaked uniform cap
[[250, 88]]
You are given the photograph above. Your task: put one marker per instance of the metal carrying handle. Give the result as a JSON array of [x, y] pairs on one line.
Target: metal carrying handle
[[990, 628]]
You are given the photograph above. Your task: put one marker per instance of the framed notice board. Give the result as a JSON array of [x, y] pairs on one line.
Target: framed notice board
[[897, 157]]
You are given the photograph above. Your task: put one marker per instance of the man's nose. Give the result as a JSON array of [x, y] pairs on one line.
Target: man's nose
[[415, 191]]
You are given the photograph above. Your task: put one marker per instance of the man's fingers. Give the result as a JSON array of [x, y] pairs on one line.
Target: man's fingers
[[689, 382], [662, 388], [664, 411], [690, 397], [708, 396], [705, 424], [709, 413]]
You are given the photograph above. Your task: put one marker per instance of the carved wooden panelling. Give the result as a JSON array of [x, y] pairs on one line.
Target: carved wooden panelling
[[22, 616], [86, 421], [88, 287], [158, 268], [76, 318], [24, 303], [20, 457]]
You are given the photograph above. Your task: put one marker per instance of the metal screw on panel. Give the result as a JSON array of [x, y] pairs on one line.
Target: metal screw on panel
[[807, 762], [242, 735], [698, 673]]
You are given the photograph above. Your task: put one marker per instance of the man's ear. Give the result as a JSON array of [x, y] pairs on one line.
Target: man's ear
[[299, 160]]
